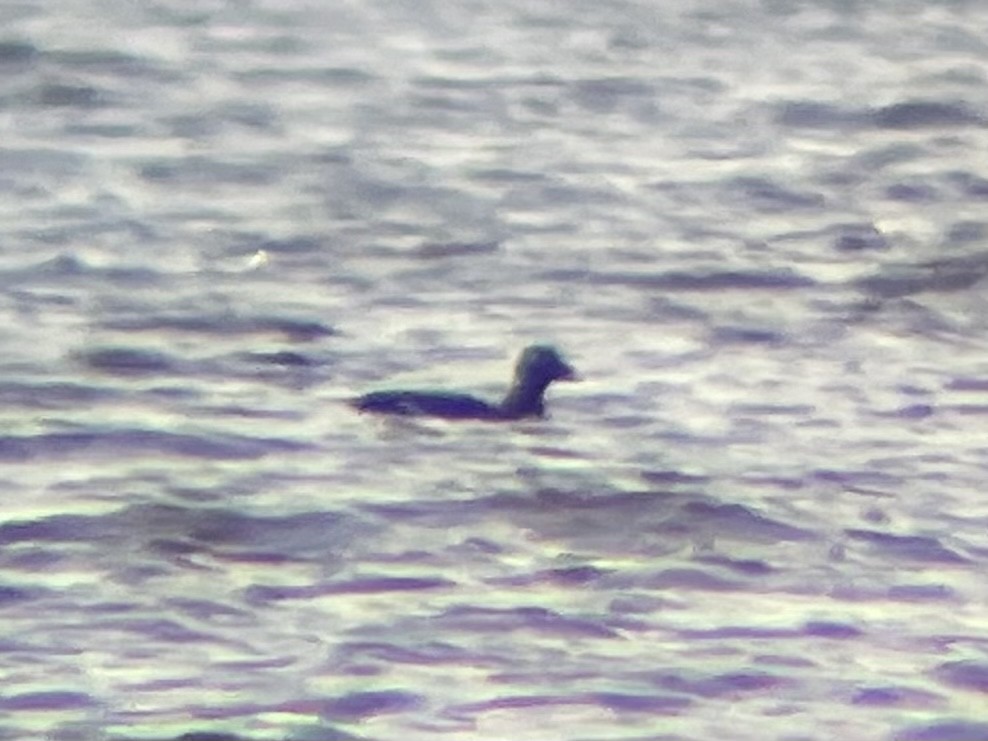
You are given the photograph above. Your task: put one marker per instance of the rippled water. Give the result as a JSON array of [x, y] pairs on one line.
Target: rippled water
[[755, 228]]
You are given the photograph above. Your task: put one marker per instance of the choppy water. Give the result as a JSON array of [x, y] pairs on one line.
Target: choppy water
[[756, 229]]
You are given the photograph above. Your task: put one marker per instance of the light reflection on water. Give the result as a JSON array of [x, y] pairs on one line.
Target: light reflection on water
[[755, 232]]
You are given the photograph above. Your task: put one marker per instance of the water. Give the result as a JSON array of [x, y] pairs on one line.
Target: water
[[757, 231]]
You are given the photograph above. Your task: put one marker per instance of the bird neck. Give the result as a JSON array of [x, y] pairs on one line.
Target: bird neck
[[524, 398]]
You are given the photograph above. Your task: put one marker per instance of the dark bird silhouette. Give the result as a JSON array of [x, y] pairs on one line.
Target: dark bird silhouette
[[538, 366]]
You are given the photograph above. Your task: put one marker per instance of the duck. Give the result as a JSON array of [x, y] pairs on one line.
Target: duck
[[537, 367]]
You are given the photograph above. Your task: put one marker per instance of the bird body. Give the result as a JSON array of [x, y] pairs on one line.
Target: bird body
[[427, 403]]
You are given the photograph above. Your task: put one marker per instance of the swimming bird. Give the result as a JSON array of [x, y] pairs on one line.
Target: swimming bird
[[537, 367]]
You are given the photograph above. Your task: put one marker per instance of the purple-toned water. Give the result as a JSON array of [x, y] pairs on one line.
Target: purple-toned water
[[758, 231]]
